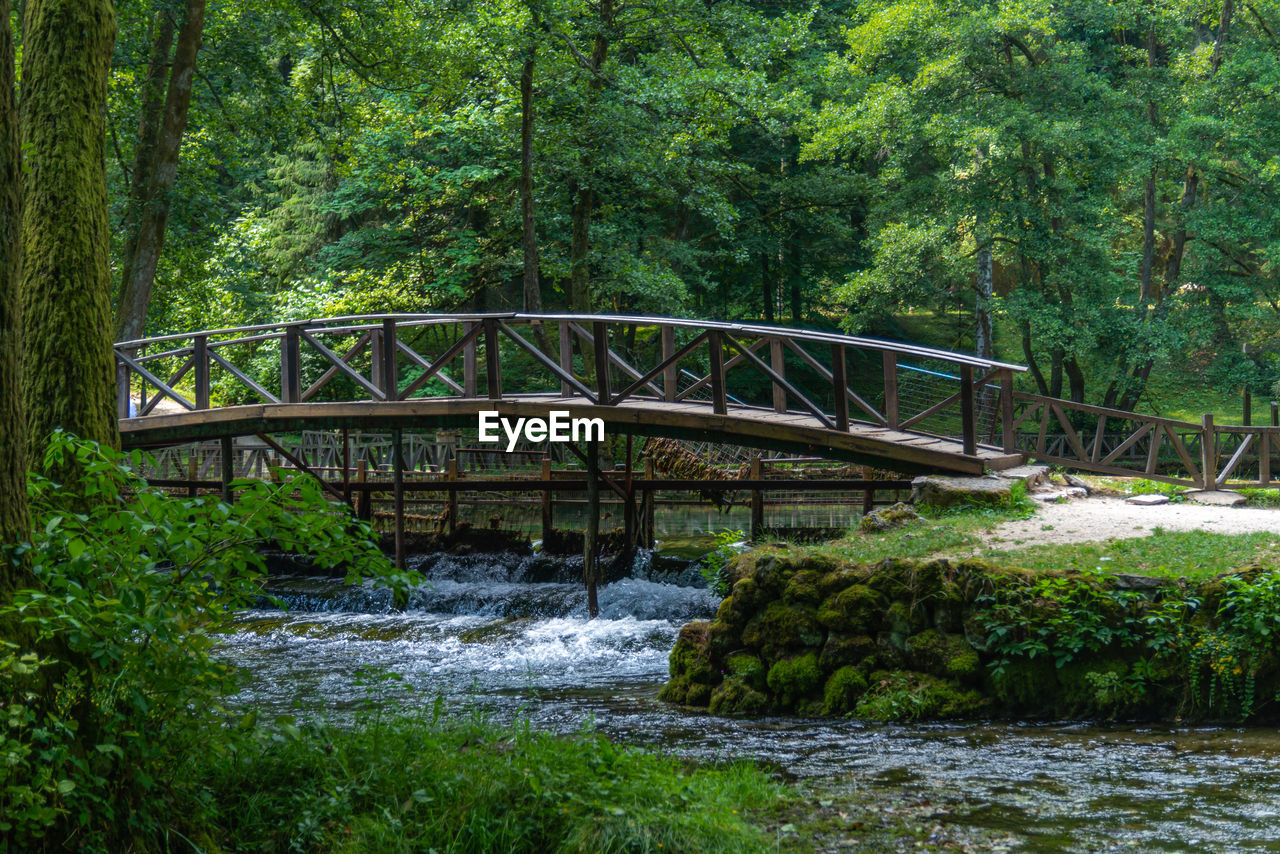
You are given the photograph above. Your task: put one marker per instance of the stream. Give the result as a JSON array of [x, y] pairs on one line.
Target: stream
[[508, 635]]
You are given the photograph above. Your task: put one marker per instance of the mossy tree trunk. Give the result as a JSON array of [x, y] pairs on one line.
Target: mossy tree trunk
[[66, 285], [13, 450]]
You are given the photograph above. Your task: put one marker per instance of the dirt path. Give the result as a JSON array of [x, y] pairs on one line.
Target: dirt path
[[1090, 519]]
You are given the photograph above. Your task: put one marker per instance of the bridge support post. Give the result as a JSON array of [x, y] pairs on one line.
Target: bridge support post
[[397, 466], [757, 502], [451, 508], [839, 386], [193, 474], [1208, 454], [629, 506], [122, 391], [968, 423], [715, 346], [778, 361], [364, 503], [590, 560], [868, 494], [566, 356], [469, 384], [648, 507], [290, 369], [228, 469], [200, 352], [548, 510]]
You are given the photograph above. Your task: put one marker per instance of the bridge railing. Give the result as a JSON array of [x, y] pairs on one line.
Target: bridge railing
[[1127, 444], [837, 380]]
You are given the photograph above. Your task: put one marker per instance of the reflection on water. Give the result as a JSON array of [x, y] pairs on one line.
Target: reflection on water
[[483, 637]]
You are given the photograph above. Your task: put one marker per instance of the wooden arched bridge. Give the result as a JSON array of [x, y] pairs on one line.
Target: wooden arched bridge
[[892, 405], [889, 404]]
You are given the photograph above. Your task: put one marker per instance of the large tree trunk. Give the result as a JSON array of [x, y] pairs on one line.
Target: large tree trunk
[[150, 118], [14, 525], [140, 269], [66, 283]]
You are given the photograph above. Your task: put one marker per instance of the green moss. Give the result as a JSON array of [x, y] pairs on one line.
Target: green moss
[[781, 629], [734, 696], [1096, 686], [792, 679], [698, 695], [804, 588], [841, 650], [945, 655], [910, 696], [690, 658], [857, 609], [747, 668], [842, 691]]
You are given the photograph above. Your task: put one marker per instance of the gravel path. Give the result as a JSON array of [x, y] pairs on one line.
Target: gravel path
[[1090, 519]]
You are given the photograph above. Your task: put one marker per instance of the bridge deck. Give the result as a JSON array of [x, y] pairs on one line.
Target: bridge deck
[[742, 425]]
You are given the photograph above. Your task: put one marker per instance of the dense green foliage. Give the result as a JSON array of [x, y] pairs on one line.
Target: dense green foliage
[[1108, 171], [429, 784], [101, 727]]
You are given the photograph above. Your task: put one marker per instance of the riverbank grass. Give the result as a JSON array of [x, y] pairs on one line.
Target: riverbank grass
[[1163, 554], [423, 783]]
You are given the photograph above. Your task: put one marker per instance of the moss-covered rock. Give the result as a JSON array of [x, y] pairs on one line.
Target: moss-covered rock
[[690, 667], [793, 679], [842, 650], [905, 695], [888, 518], [804, 588], [949, 656], [1097, 686], [842, 691], [857, 609], [781, 629], [748, 669], [734, 696]]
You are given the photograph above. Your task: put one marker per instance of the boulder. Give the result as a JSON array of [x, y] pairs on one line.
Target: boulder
[[942, 491], [1217, 497]]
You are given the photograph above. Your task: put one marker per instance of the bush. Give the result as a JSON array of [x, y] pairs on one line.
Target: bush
[[104, 718]]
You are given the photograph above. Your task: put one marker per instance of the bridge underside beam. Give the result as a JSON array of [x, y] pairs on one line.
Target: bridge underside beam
[[753, 427]]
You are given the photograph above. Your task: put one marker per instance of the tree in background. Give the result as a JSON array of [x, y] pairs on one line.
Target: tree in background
[[68, 369]]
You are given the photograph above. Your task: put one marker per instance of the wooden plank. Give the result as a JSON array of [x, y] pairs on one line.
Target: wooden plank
[[1096, 450], [661, 368], [470, 370], [1176, 441], [825, 373], [244, 378], [791, 389], [716, 349], [566, 356], [200, 356], [1072, 437], [529, 347], [1234, 461], [1264, 458], [838, 386], [1153, 452], [160, 384], [1008, 434], [599, 341], [778, 361], [1101, 410], [290, 368], [438, 372], [1127, 443], [355, 350], [671, 371], [492, 359], [1208, 451], [1044, 426]]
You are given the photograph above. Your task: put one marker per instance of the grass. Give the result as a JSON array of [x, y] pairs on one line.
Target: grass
[[937, 532], [1191, 554], [422, 783]]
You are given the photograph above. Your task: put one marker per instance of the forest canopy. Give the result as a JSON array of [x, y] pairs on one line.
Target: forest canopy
[[1087, 188]]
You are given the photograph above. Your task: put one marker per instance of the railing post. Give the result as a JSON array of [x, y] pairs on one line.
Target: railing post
[[200, 352], [967, 421], [778, 361], [290, 369], [719, 402], [566, 357], [600, 333], [228, 469], [671, 373], [839, 385], [1009, 439], [1208, 454], [123, 394], [385, 356], [469, 384], [891, 389], [1275, 413], [492, 362]]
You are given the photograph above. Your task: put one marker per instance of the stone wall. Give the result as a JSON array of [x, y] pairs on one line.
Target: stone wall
[[802, 633]]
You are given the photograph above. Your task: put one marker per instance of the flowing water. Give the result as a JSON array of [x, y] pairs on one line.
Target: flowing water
[[509, 635]]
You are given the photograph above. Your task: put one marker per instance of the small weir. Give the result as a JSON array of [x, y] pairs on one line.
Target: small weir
[[508, 635]]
